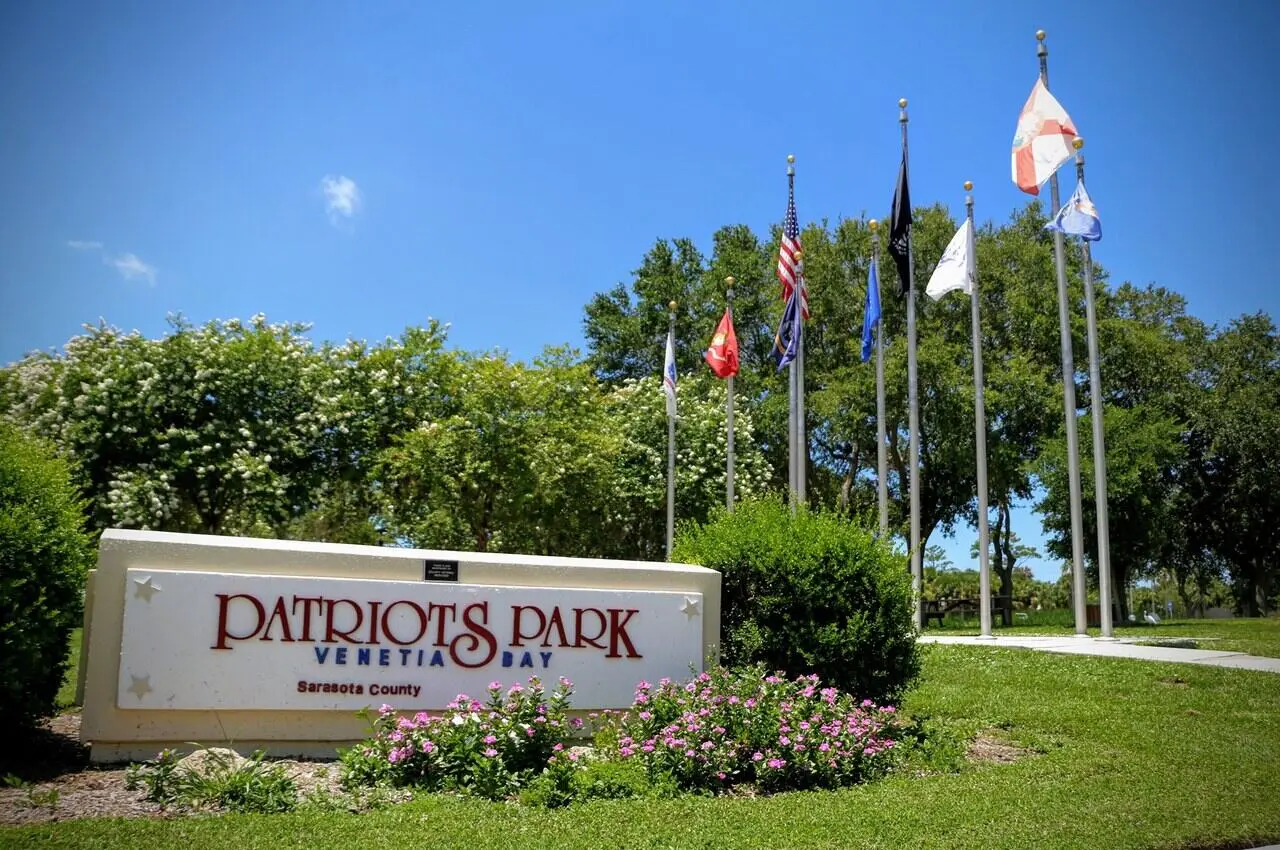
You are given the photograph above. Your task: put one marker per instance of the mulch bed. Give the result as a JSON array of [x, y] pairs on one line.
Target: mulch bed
[[49, 778]]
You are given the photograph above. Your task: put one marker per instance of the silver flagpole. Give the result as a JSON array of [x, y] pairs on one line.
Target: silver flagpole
[[802, 437], [793, 441], [728, 408], [882, 441], [980, 430], [671, 449], [1099, 438], [1068, 389], [913, 408]]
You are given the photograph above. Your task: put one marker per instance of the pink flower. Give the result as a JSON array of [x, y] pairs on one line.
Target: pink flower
[[733, 700], [530, 732], [576, 723], [784, 740], [490, 739], [386, 709], [644, 715], [648, 747], [557, 748], [690, 753], [428, 747], [643, 686], [491, 752], [707, 745], [495, 685], [720, 776], [777, 764], [757, 756], [573, 756], [625, 752], [823, 747]]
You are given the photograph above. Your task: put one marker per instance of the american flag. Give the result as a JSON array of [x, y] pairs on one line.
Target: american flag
[[790, 262]]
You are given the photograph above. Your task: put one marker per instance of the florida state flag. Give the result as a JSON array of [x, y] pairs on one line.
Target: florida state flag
[[722, 356]]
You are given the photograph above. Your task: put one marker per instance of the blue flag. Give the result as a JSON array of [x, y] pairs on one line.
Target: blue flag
[[1078, 217], [871, 316], [786, 342]]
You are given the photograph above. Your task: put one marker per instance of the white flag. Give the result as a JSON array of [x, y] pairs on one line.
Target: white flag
[[955, 269], [669, 376]]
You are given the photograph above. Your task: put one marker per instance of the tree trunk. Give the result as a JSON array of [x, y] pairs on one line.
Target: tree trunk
[[1006, 567]]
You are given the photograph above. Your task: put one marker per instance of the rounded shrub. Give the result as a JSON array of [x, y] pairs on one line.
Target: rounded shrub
[[809, 593], [44, 554]]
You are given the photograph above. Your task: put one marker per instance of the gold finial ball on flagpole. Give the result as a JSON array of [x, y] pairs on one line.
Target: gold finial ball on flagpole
[[729, 281], [1039, 35], [672, 306], [1077, 142], [968, 185], [873, 225], [902, 103], [791, 158]]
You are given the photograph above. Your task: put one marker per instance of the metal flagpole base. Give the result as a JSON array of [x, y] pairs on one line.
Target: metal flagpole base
[[986, 637]]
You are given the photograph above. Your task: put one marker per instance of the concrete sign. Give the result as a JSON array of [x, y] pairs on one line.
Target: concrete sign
[[278, 644]]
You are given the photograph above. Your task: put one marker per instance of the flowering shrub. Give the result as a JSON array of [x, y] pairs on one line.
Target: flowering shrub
[[726, 728], [489, 749]]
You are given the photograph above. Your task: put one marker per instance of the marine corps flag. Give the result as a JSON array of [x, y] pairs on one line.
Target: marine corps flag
[[722, 356]]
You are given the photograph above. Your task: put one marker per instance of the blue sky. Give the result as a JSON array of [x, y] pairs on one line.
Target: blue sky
[[366, 166]]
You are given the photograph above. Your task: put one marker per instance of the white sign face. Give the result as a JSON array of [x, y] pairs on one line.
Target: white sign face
[[195, 640]]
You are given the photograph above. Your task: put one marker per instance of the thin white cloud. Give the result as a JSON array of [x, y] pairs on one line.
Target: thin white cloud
[[342, 197], [131, 266], [82, 245]]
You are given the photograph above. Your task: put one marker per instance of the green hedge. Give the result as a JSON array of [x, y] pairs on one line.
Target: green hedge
[[44, 553], [809, 593]]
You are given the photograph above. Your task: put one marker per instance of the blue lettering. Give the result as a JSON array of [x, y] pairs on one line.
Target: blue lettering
[[404, 657], [507, 659], [321, 654], [546, 659], [384, 657], [437, 660], [362, 656], [527, 660], [340, 657]]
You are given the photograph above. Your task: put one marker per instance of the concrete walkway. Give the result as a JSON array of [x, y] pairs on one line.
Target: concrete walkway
[[1117, 648]]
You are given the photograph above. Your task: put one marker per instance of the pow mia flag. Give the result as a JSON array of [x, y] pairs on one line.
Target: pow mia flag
[[900, 230]]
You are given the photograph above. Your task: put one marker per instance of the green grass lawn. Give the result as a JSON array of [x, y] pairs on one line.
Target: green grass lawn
[[1129, 754], [1255, 636]]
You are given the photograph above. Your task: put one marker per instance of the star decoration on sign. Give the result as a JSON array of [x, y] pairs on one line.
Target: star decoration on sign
[[690, 608], [145, 589], [141, 686]]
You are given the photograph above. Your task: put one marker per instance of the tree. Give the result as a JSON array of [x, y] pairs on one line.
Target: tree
[[1236, 457], [517, 460], [223, 428]]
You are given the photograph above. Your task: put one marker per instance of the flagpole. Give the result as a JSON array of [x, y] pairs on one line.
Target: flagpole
[[728, 409], [671, 449], [913, 410], [979, 432], [1068, 389], [793, 442], [802, 436], [1099, 438], [882, 442]]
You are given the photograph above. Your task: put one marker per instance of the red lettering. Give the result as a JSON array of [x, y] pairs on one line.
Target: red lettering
[[453, 616], [558, 624], [330, 631], [517, 611], [373, 622], [478, 633], [282, 616], [224, 602], [306, 613], [618, 630], [386, 622], [580, 640]]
